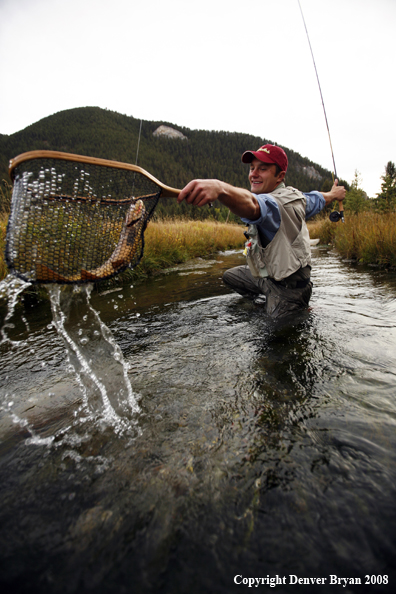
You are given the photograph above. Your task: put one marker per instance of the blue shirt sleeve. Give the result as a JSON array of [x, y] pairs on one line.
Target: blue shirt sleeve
[[315, 203], [270, 218]]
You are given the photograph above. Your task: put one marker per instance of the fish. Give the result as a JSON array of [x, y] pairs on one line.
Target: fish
[[126, 246]]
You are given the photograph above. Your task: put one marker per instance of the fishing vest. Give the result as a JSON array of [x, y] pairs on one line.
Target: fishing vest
[[290, 248]]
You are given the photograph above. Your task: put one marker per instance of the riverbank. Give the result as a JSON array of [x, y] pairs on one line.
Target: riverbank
[[368, 238], [173, 241]]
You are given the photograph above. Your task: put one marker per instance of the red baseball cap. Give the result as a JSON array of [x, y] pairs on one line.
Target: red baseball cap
[[268, 153]]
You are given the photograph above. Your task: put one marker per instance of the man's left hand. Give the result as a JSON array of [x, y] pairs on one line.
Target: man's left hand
[[336, 193]]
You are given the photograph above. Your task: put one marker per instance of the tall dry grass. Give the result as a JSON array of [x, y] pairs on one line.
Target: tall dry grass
[[5, 203], [170, 242], [3, 229], [367, 237], [323, 229]]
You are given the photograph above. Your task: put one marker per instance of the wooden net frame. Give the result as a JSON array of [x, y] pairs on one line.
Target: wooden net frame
[[77, 219]]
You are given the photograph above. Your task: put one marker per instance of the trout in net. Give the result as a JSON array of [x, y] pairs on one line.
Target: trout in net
[[77, 219]]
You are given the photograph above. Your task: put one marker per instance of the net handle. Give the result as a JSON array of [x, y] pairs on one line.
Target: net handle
[[166, 191]]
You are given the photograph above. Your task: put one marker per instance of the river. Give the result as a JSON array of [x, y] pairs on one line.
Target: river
[[245, 448]]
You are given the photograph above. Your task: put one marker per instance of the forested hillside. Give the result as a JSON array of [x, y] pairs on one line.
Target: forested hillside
[[203, 154]]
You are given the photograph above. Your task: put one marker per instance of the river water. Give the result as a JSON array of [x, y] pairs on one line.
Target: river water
[[205, 444]]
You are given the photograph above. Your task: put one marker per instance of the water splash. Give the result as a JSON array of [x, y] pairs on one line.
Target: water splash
[[34, 438], [10, 289], [96, 363], [95, 356]]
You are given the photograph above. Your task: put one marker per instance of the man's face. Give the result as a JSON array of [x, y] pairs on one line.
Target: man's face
[[263, 178]]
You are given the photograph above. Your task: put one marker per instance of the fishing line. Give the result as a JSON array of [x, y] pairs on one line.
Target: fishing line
[[320, 90], [137, 154], [138, 144]]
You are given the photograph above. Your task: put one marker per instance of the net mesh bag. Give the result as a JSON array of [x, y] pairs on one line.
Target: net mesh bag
[[76, 222]]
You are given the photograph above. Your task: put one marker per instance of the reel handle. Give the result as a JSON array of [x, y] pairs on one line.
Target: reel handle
[[341, 206]]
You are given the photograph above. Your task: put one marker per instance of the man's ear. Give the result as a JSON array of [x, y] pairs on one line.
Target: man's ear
[[281, 176]]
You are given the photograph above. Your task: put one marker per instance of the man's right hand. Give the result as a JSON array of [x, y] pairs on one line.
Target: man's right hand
[[200, 192]]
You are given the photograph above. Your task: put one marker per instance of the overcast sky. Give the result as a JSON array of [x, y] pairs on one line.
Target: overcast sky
[[213, 65]]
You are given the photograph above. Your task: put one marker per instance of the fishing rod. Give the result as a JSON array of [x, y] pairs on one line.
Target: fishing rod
[[334, 216]]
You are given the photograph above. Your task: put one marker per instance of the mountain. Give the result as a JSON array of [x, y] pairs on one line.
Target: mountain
[[173, 154]]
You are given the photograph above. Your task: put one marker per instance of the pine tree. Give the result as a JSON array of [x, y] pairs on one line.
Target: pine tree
[[386, 199], [356, 198]]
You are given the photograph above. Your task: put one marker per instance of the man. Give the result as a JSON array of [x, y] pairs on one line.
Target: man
[[278, 253]]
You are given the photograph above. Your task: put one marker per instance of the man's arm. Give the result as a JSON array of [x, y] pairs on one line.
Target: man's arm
[[336, 193], [204, 191]]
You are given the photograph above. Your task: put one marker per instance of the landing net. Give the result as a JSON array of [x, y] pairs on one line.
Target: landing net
[[77, 222]]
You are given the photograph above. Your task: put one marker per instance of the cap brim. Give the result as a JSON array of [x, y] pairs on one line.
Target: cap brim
[[248, 157]]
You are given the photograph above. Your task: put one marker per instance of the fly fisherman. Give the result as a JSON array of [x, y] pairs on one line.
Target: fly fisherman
[[278, 247]]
